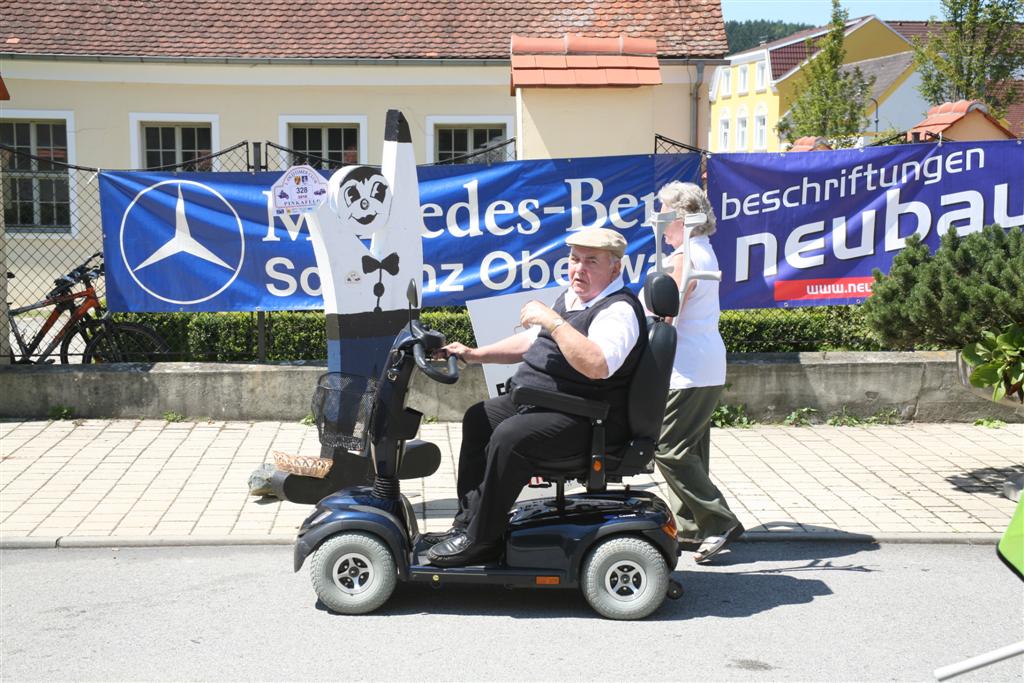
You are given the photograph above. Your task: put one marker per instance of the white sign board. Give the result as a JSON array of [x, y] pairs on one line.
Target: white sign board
[[299, 190], [497, 317]]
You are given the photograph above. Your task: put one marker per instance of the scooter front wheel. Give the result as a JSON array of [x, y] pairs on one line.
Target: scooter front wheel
[[353, 573], [625, 578]]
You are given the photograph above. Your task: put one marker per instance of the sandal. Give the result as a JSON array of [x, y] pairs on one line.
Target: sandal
[[713, 545]]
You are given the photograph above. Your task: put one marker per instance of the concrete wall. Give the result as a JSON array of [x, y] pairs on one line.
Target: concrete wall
[[921, 386]]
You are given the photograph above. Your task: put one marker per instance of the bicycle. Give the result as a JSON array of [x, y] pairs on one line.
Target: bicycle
[[88, 326]]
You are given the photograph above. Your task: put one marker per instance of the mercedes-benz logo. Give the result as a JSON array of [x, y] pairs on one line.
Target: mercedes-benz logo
[[179, 253]]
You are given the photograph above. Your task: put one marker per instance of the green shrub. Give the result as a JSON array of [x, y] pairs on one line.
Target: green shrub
[[726, 415], [301, 335], [946, 299], [813, 328], [801, 417], [60, 413]]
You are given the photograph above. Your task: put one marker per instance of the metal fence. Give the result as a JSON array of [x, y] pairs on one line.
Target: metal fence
[[51, 224]]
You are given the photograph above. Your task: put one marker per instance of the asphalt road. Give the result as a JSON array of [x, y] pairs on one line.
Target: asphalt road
[[767, 611]]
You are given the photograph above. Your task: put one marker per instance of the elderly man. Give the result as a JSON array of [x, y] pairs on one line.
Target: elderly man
[[588, 345]]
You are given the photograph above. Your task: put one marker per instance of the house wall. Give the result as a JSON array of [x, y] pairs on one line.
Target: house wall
[[247, 100], [738, 105], [974, 126], [575, 122], [578, 122], [903, 107]]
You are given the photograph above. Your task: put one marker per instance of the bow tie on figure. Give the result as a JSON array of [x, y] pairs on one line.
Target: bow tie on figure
[[389, 263]]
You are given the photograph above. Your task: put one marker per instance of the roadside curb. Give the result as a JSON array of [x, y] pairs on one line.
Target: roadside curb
[[140, 541], [29, 543], [842, 536]]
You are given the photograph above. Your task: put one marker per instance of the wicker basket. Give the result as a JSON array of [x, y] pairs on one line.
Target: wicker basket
[[306, 465]]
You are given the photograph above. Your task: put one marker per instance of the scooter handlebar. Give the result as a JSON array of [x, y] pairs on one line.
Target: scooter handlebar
[[449, 376]]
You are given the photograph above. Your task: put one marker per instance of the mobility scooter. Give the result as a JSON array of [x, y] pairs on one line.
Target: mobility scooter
[[618, 546]]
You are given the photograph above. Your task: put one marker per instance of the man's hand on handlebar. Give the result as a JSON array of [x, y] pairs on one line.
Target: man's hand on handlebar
[[457, 349]]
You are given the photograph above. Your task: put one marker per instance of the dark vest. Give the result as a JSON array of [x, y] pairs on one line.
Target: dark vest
[[544, 366]]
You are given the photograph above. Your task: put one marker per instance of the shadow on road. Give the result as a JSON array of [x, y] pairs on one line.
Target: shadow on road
[[722, 589]]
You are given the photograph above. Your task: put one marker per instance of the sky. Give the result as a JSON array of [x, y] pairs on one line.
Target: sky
[[818, 12]]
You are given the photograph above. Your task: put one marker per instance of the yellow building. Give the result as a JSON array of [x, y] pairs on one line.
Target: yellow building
[[757, 88]]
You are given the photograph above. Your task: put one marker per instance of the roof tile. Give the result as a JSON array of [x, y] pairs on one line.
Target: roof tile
[[605, 62], [355, 29]]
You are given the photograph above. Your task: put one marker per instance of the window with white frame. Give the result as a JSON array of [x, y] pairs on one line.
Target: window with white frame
[[761, 77], [741, 87], [183, 145], [725, 84], [723, 132], [453, 141], [761, 128], [324, 146], [741, 130], [36, 185]]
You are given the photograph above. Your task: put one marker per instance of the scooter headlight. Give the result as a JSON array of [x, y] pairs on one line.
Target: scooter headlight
[[316, 519], [669, 527]]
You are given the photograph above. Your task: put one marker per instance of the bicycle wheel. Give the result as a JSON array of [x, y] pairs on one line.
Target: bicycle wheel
[[125, 343], [72, 347]]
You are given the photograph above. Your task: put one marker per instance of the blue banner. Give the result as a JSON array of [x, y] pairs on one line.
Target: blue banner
[[807, 228], [212, 241]]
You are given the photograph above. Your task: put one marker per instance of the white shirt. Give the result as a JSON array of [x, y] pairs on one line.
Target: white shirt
[[614, 329], [700, 351]]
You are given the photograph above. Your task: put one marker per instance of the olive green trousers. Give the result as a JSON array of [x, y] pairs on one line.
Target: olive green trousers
[[684, 450]]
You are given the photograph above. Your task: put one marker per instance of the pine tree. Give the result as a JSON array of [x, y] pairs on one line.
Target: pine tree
[[975, 54], [832, 101], [970, 284]]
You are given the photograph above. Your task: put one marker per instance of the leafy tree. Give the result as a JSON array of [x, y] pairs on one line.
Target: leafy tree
[[832, 100], [947, 299], [743, 35], [975, 54]]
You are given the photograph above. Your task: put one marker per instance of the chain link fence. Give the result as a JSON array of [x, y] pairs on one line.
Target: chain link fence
[[51, 224]]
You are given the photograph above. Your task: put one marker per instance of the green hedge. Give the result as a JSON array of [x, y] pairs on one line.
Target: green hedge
[[302, 335], [813, 328]]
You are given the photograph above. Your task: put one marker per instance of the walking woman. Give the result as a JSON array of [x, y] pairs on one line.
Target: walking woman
[[698, 379]]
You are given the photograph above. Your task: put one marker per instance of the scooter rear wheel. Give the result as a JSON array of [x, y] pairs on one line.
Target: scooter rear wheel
[[353, 573], [625, 578]]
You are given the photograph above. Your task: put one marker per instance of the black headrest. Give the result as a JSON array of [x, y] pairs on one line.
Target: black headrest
[[661, 295]]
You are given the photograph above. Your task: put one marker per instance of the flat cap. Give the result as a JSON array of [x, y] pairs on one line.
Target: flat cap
[[599, 238]]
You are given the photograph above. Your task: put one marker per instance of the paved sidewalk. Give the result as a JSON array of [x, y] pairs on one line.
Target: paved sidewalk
[[129, 482]]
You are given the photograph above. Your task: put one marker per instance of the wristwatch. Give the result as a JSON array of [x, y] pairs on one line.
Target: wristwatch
[[555, 324]]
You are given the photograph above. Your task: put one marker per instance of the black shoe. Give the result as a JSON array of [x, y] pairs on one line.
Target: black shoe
[[460, 551], [436, 537]]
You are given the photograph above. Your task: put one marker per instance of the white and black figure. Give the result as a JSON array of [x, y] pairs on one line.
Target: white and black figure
[[364, 289]]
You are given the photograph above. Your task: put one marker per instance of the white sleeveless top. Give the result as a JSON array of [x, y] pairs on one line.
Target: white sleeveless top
[[700, 351]]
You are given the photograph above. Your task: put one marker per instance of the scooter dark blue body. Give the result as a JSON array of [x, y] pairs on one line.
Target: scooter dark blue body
[[618, 546]]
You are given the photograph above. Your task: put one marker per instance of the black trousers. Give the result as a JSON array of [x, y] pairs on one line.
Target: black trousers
[[501, 448]]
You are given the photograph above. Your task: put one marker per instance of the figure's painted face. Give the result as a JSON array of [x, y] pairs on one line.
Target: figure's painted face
[[364, 197]]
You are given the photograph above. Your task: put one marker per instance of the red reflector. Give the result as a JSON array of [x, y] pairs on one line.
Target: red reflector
[[597, 465], [548, 581]]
